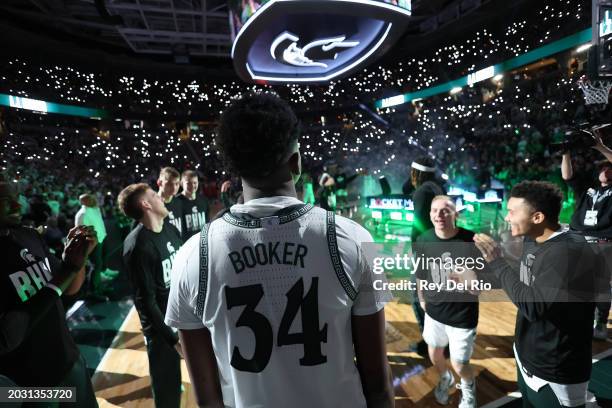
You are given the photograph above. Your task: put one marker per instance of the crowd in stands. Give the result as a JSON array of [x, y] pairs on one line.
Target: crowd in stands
[[496, 130], [507, 138], [130, 93]]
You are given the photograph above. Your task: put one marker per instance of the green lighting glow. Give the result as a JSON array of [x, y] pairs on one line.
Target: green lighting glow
[[36, 105]]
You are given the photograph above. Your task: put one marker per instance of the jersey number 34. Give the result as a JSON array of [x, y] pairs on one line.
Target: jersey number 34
[[311, 336]]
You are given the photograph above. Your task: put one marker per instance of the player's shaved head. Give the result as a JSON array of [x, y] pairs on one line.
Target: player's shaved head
[[445, 198]]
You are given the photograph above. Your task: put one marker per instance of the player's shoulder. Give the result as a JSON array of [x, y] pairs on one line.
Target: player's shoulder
[[190, 246], [176, 200], [24, 231], [25, 234], [571, 236], [136, 241], [187, 260], [170, 229], [429, 187], [465, 235], [352, 230], [427, 236]]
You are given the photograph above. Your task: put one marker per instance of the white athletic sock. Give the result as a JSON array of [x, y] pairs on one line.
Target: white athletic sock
[[467, 383]]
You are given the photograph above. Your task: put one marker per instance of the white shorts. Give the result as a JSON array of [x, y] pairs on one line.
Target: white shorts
[[459, 341]]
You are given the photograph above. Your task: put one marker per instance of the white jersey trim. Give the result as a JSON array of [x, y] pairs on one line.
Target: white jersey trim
[[203, 285], [334, 253], [256, 223]]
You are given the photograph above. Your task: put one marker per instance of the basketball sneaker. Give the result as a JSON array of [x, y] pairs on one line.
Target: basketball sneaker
[[468, 395], [441, 391]]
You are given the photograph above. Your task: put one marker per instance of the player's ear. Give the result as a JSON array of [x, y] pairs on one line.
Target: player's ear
[[538, 217], [295, 165], [158, 182], [144, 204]]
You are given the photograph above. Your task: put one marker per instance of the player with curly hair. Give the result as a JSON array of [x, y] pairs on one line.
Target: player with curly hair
[[274, 300]]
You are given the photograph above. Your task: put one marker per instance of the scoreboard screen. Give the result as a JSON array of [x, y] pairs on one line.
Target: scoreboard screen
[[311, 41]]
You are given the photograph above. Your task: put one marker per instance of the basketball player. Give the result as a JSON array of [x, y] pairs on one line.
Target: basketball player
[[169, 183], [593, 215], [422, 178], [36, 348], [194, 205], [274, 300], [552, 336], [451, 316], [148, 253]]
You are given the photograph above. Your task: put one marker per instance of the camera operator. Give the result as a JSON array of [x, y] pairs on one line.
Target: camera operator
[[593, 215]]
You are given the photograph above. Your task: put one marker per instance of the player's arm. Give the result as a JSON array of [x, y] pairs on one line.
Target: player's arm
[[17, 321], [607, 153], [371, 355], [420, 294], [536, 301], [202, 365], [81, 241], [601, 147], [142, 267], [419, 272], [533, 302], [367, 318], [195, 339]]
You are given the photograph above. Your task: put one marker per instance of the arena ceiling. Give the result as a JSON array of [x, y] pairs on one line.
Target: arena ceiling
[[178, 29]]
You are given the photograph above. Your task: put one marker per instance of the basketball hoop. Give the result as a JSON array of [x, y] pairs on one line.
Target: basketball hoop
[[596, 93]]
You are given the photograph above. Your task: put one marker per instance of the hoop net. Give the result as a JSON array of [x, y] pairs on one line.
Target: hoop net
[[595, 92]]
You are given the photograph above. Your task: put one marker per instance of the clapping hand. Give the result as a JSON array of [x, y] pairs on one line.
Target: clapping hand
[[488, 247], [80, 243]]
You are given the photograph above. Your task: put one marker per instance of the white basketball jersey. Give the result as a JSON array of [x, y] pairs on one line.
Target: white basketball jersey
[[278, 303]]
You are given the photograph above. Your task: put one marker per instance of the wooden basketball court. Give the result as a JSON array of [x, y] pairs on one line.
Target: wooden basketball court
[[122, 378]]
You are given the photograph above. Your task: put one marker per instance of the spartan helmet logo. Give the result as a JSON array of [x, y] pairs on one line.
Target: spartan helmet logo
[[292, 54], [170, 248], [194, 209], [171, 215], [26, 256]]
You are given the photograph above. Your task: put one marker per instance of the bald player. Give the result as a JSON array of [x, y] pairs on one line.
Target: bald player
[[451, 315]]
